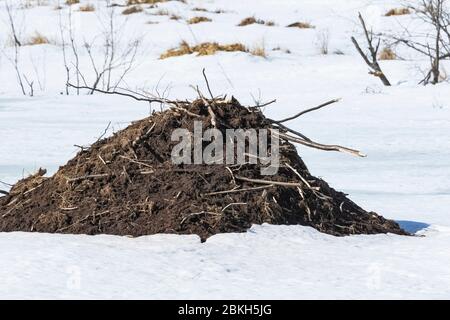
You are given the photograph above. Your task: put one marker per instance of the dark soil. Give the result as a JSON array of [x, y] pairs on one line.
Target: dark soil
[[127, 185]]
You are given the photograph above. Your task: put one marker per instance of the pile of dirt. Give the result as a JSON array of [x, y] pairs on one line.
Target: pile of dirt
[[127, 185]]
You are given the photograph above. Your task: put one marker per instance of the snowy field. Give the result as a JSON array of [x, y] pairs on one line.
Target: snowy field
[[404, 130]]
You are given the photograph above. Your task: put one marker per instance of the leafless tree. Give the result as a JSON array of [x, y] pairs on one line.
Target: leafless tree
[[64, 48], [434, 43], [371, 58], [17, 45]]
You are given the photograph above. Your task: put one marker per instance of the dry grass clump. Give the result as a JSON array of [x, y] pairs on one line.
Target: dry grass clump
[[301, 25], [398, 12], [37, 39], [259, 50], [252, 20], [387, 54], [195, 20], [249, 20], [87, 8], [131, 10], [71, 2], [203, 49]]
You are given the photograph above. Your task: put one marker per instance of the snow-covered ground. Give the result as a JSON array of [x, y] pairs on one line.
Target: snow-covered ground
[[404, 129]]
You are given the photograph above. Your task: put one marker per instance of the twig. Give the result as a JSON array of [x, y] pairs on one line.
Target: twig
[[122, 94], [104, 132], [265, 104], [271, 182], [283, 127], [374, 65], [320, 146], [101, 159], [308, 110], [68, 209], [213, 117], [4, 192], [233, 204], [237, 190], [32, 189], [83, 148], [136, 161], [198, 214], [299, 175], [232, 175], [6, 184], [187, 112], [104, 175], [207, 84], [94, 215]]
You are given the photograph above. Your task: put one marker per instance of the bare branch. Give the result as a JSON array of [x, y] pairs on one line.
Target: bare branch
[[373, 61]]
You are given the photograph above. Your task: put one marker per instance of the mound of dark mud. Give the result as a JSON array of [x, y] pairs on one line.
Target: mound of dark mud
[[127, 185]]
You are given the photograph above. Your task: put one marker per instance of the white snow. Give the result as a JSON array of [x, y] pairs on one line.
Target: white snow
[[404, 130]]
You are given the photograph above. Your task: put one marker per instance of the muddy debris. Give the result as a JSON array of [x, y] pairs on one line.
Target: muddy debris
[[127, 184]]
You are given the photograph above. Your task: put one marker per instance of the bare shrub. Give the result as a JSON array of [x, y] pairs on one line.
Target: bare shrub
[[71, 2], [111, 54]]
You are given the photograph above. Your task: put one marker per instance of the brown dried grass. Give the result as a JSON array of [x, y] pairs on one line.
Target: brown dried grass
[[132, 10], [252, 20], [195, 20], [301, 25], [203, 49], [37, 39], [398, 12], [387, 54], [87, 8]]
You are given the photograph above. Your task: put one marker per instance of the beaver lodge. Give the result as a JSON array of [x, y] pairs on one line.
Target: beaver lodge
[[127, 184]]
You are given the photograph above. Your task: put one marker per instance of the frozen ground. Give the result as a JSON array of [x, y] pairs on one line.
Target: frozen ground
[[404, 130]]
